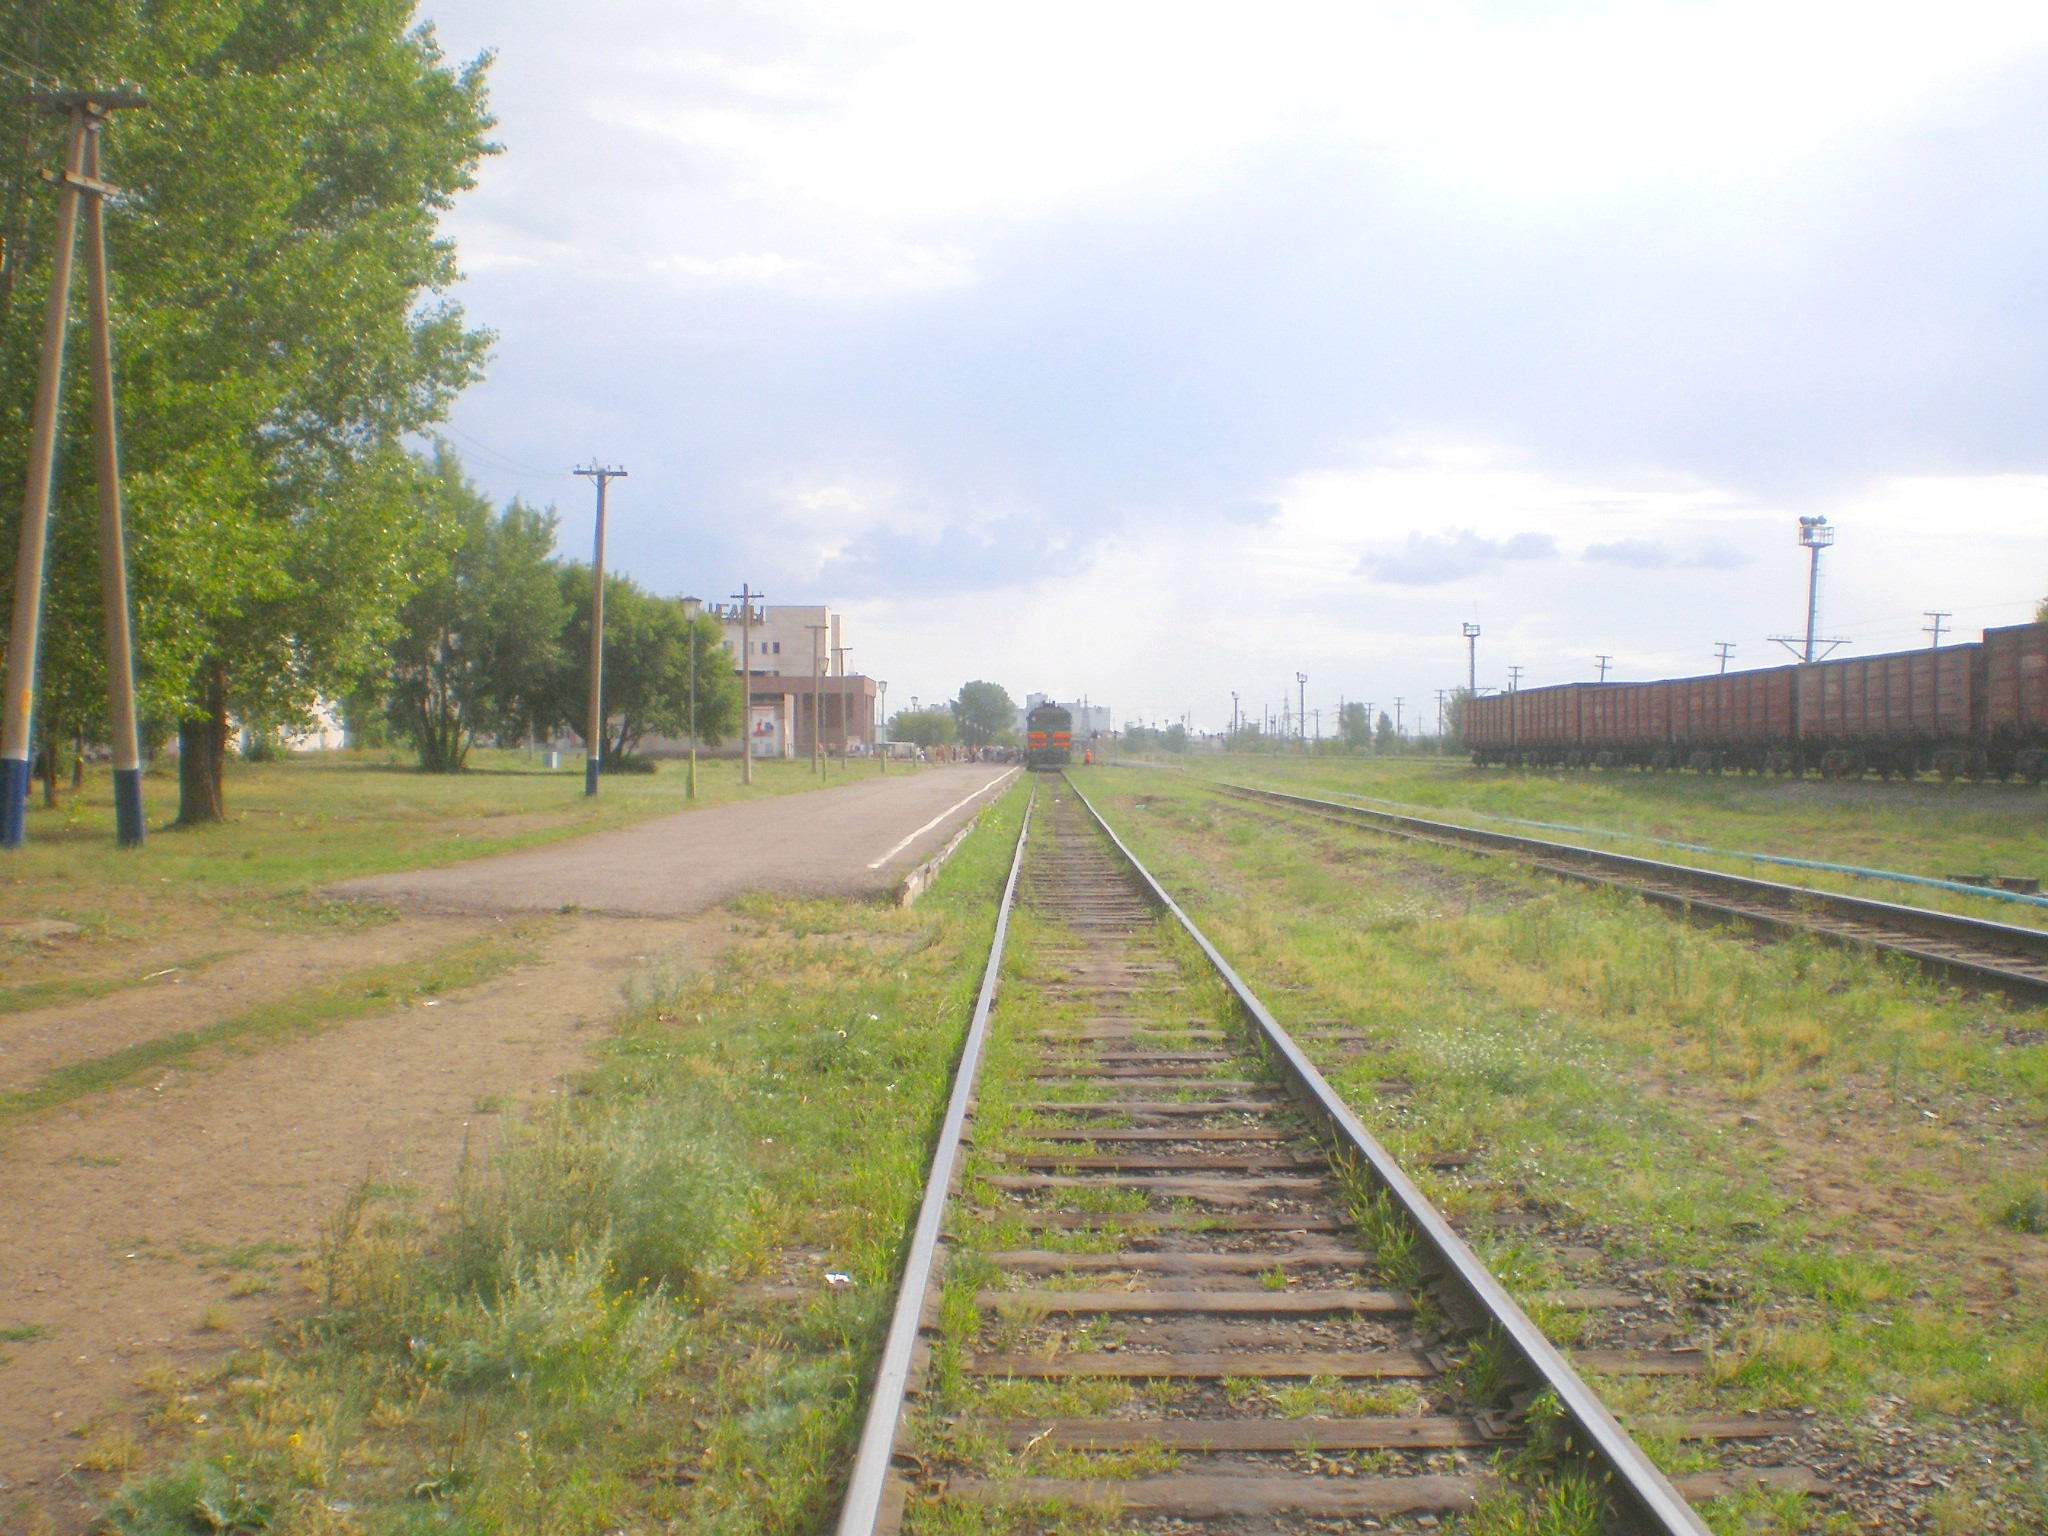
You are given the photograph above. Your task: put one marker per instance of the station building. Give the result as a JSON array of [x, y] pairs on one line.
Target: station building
[[801, 689]]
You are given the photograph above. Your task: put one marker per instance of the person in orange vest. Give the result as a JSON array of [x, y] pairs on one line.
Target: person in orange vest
[[1087, 756]]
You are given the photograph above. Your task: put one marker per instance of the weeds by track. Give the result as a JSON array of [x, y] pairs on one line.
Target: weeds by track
[[1179, 1283], [1971, 951]]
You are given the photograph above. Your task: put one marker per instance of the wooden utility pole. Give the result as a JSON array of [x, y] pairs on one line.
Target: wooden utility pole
[[746, 596], [78, 183], [1722, 648], [1603, 662], [594, 743]]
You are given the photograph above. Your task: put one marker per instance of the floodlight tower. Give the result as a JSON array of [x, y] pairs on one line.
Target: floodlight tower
[[1472, 661], [1815, 535]]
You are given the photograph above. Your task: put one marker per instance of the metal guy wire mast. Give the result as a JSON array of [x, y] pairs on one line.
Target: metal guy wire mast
[[1472, 660], [746, 596], [1604, 661], [1934, 628], [1301, 682], [1723, 649], [593, 743], [77, 184], [1814, 536]]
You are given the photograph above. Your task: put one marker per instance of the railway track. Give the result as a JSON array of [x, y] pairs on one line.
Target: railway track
[[1163, 1275], [1970, 951]]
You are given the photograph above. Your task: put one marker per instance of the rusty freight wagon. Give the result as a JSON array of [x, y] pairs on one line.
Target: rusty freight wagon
[[1734, 720], [1890, 715], [2010, 734]]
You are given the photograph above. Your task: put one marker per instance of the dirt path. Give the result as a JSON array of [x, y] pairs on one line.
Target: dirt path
[[247, 973], [857, 839], [155, 1226]]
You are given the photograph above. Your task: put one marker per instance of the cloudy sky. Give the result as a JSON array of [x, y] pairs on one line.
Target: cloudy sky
[[1151, 351]]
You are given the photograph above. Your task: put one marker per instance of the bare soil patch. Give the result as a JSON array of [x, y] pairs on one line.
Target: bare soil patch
[[155, 1227], [211, 974]]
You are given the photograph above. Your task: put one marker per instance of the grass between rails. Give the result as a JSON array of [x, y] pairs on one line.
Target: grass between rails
[[1852, 1155], [1932, 830], [625, 1321], [453, 966]]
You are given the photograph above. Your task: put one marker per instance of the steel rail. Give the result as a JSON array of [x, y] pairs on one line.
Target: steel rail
[[1646, 1498], [1990, 938], [865, 1487]]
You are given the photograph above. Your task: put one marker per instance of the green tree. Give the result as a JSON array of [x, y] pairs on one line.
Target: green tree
[[923, 727], [277, 268], [983, 712], [719, 704], [479, 644], [1175, 738], [1384, 732], [646, 685], [1354, 725]]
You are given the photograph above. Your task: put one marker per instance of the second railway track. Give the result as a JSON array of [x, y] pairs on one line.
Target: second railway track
[[1970, 951], [1164, 1276]]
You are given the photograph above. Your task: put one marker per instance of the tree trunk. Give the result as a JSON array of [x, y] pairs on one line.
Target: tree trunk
[[46, 763], [77, 761], [202, 757]]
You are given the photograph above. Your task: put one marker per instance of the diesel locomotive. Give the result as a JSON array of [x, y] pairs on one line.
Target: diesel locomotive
[[1048, 738]]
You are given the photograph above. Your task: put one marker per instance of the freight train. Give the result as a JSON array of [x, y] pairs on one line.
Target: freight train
[[1048, 738], [1970, 711]]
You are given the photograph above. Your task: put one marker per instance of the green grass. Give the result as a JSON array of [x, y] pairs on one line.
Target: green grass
[[296, 825], [1848, 1150], [1926, 829], [586, 1340]]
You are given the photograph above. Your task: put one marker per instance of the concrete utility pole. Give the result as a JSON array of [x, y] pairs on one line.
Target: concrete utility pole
[[746, 596], [78, 183], [691, 607], [1603, 660], [1233, 719], [1723, 649], [1301, 682], [1441, 695], [1398, 702], [1472, 660], [594, 741], [882, 735], [1934, 628], [817, 698]]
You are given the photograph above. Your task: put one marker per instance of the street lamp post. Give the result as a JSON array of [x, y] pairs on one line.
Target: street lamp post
[[845, 721], [691, 605], [594, 743]]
